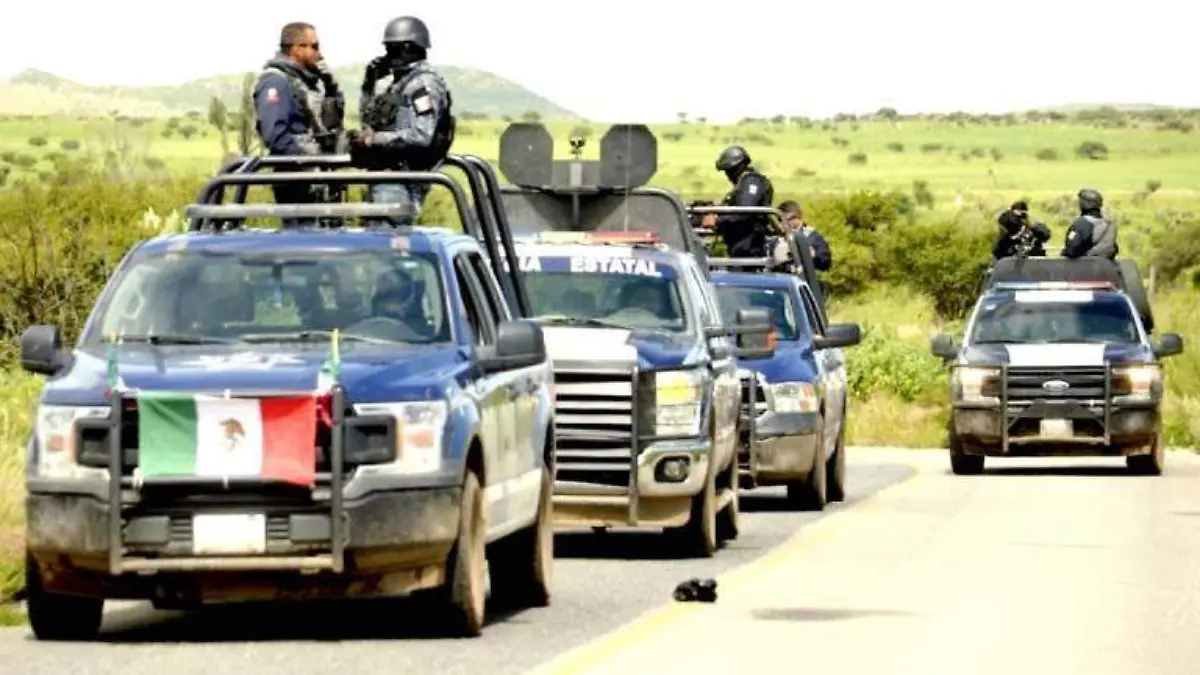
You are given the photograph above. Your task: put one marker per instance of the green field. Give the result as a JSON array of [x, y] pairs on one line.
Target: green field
[[933, 186]]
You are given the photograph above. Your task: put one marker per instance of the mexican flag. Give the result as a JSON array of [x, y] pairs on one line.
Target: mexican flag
[[182, 434]]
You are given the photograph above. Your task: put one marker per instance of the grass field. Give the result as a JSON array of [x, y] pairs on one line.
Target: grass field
[[1149, 175]]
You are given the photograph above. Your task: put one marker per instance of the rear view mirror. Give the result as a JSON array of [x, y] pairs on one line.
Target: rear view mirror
[[943, 346], [1169, 344], [839, 335], [519, 344], [40, 347], [755, 334]]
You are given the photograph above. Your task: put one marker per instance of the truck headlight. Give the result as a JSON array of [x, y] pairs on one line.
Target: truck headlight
[[54, 429], [793, 397], [967, 383], [420, 428], [679, 395], [1144, 381]]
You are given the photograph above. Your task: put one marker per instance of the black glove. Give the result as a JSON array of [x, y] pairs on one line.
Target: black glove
[[376, 69]]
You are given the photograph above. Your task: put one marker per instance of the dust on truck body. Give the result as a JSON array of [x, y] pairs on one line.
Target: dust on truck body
[[335, 414], [646, 397]]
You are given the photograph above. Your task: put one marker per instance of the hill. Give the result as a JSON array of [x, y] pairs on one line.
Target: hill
[[35, 92]]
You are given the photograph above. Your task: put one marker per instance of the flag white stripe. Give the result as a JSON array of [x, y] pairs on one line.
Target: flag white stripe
[[218, 453]]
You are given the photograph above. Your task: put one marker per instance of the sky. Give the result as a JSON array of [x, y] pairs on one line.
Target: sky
[[646, 61]]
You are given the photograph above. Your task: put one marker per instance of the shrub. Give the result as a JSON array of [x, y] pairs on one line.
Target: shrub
[[886, 363], [1092, 150], [857, 158], [1047, 155], [944, 260], [69, 144], [38, 141]]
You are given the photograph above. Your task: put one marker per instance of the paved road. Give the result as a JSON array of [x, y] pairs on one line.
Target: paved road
[[1038, 566], [601, 582]]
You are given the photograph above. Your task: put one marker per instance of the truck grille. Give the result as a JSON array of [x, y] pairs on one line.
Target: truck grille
[[593, 427], [1083, 384]]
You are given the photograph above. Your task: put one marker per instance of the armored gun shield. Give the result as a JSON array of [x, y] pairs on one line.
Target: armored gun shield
[[576, 195]]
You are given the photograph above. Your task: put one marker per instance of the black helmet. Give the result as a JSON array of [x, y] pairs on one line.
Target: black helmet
[[732, 159], [1090, 200], [407, 29]]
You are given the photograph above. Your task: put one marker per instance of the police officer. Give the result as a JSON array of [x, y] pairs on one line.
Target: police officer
[[409, 126], [1091, 234], [299, 108], [1016, 233], [744, 234], [822, 256]]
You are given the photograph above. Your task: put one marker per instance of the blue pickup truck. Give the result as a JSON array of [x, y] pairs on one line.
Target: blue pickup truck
[[794, 402], [289, 413]]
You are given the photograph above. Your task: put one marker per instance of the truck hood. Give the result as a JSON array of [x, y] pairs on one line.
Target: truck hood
[[370, 373], [792, 362], [647, 348], [1057, 355]]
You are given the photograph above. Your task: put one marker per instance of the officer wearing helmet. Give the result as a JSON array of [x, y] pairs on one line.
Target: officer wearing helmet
[[1091, 235], [745, 235], [409, 126]]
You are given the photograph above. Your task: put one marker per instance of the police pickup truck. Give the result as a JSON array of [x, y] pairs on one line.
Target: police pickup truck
[[307, 412], [645, 383], [1050, 368], [794, 402]]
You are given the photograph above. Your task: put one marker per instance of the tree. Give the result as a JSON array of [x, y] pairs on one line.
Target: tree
[[247, 136], [531, 116], [683, 117], [218, 116]]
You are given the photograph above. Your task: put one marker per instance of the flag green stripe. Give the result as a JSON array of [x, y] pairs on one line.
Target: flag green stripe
[[167, 435]]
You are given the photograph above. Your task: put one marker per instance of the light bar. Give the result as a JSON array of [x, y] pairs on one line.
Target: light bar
[[1082, 285], [640, 237]]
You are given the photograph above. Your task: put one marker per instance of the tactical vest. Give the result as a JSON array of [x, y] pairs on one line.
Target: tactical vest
[[381, 113], [311, 100], [765, 199], [1104, 238]]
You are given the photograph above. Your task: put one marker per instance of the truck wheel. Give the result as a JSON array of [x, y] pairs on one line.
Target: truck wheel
[[467, 580], [729, 520], [811, 494], [700, 533], [524, 564], [835, 482], [1148, 465], [60, 617], [961, 463]]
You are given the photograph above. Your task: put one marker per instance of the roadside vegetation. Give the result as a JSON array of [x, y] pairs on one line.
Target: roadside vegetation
[[908, 205]]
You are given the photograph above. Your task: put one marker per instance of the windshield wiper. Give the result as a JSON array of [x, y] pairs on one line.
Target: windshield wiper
[[309, 336], [170, 339], [580, 321]]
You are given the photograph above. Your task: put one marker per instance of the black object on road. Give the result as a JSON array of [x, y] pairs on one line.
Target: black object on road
[[697, 590]]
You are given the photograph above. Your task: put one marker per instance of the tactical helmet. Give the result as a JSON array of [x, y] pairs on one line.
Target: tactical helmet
[[733, 158], [1090, 200], [407, 29]]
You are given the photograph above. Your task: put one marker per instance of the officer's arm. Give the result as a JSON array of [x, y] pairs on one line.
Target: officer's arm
[[429, 104], [1000, 248], [822, 256], [274, 106], [1079, 239]]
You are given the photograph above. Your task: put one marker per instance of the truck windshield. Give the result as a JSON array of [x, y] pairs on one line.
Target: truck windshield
[[622, 292], [778, 301], [1055, 316], [199, 296]]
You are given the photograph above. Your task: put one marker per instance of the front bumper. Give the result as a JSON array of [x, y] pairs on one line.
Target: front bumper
[[778, 447], [1045, 428]]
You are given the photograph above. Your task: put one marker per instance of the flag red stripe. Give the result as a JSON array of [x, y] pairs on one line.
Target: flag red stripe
[[289, 440]]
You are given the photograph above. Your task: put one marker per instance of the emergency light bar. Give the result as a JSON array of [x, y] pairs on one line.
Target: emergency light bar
[[1081, 285], [599, 237]]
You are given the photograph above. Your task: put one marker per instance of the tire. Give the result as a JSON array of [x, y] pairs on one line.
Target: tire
[[963, 464], [700, 533], [1132, 281], [729, 519], [811, 494], [836, 480], [467, 576], [1148, 465], [53, 616], [523, 568]]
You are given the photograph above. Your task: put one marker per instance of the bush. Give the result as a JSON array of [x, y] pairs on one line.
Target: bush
[[69, 145], [886, 363], [1047, 155], [857, 158], [38, 141], [943, 260], [1092, 150]]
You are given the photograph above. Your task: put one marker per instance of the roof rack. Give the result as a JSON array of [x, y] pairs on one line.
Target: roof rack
[[805, 269], [483, 216]]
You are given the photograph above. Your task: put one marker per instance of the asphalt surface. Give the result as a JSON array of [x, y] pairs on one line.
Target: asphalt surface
[[602, 581]]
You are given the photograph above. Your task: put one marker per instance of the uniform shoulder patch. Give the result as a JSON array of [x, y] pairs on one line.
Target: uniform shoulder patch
[[423, 104], [272, 95], [752, 188]]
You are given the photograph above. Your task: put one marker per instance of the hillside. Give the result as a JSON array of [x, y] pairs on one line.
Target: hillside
[[35, 92]]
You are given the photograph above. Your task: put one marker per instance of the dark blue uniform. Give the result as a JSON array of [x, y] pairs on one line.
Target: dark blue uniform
[[287, 103], [745, 234], [821, 254]]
